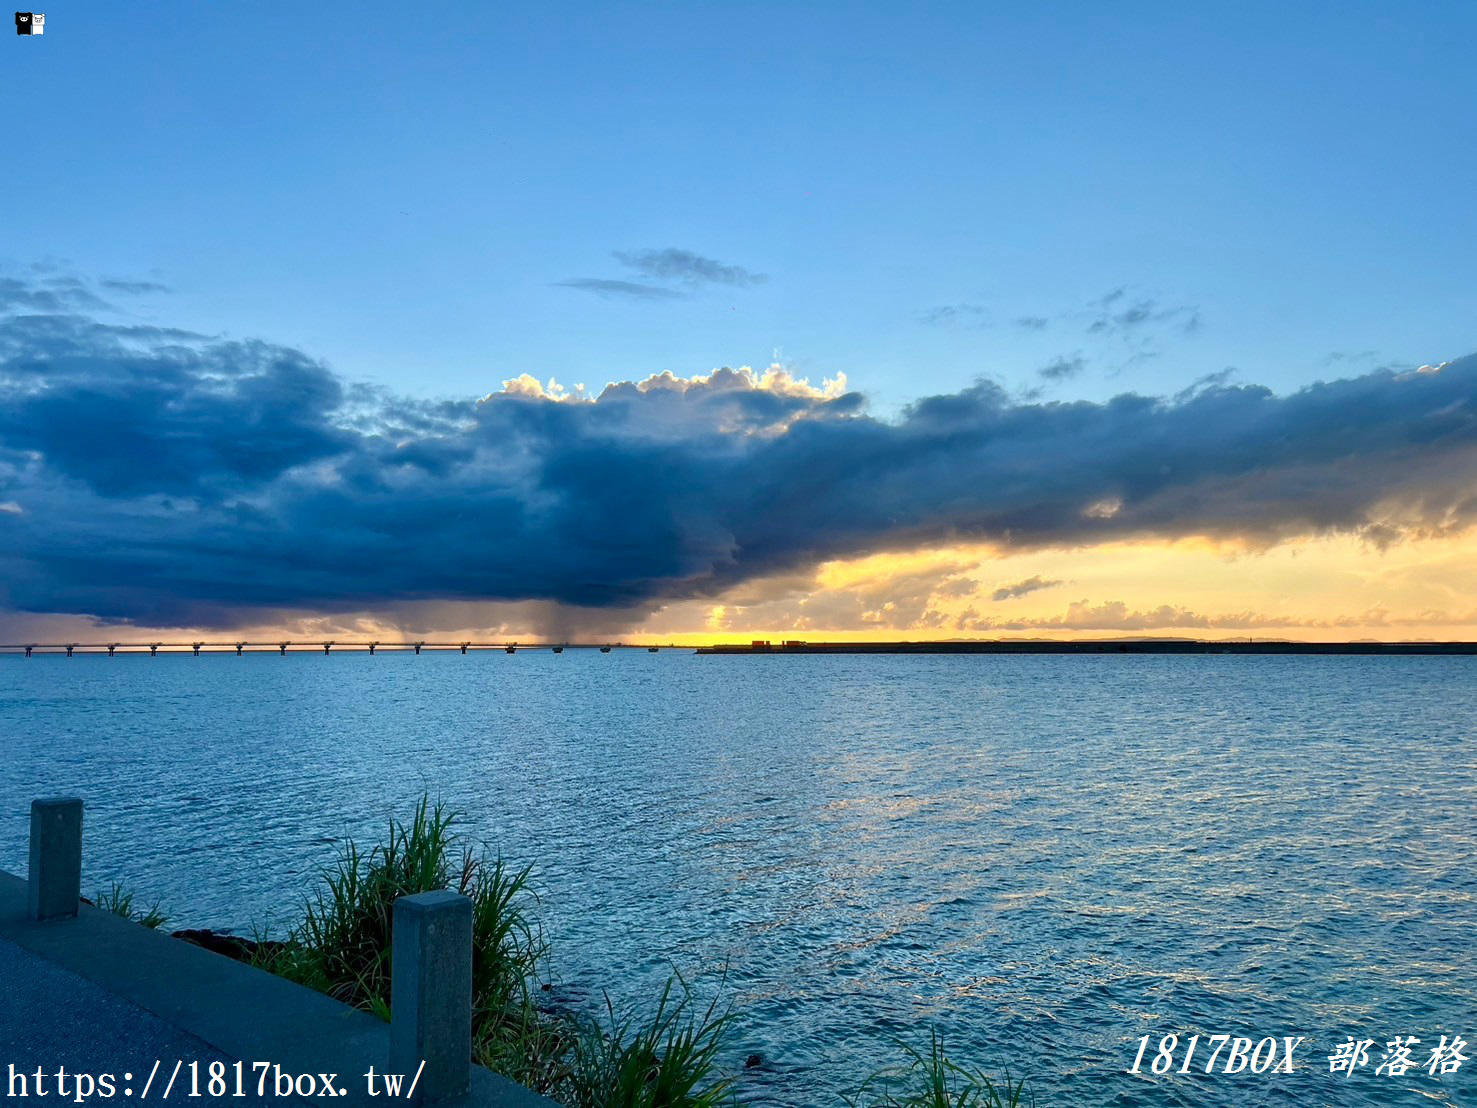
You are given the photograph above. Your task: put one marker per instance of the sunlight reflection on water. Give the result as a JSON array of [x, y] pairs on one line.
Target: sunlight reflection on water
[[1044, 857]]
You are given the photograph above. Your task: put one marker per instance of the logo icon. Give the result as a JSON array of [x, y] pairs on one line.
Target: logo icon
[[30, 23]]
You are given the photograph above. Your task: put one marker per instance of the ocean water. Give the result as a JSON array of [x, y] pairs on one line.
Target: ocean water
[[1042, 858]]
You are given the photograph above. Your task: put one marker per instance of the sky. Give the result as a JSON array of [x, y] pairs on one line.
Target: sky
[[701, 322]]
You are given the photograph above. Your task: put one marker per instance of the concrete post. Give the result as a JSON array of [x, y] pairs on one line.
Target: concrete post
[[431, 992], [54, 883]]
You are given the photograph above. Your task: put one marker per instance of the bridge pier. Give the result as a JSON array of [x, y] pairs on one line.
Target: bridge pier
[[327, 646], [418, 647], [112, 646], [239, 645], [605, 650], [282, 646], [464, 647], [29, 649], [154, 649], [196, 646], [371, 648], [71, 646], [511, 648], [559, 650]]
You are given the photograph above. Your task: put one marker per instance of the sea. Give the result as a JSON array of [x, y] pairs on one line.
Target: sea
[[1048, 862]]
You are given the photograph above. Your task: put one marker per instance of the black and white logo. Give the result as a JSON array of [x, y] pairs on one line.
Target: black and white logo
[[30, 23]]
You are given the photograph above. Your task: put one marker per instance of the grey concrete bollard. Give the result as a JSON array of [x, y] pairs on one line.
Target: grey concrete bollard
[[431, 992], [54, 883]]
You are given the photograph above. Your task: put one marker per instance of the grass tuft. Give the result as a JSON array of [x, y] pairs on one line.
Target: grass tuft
[[934, 1080], [342, 948], [342, 945], [119, 901], [671, 1059]]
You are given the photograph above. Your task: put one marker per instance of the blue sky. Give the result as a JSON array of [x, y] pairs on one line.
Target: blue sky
[[405, 192], [1129, 300]]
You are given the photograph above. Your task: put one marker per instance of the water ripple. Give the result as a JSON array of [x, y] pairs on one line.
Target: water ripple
[[1043, 857]]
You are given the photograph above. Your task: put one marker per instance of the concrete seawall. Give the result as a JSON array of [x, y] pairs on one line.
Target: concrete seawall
[[100, 994]]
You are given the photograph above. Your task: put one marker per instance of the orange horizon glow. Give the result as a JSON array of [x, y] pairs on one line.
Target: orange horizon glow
[[1328, 589]]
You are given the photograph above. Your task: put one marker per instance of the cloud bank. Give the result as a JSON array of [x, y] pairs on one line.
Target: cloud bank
[[152, 475]]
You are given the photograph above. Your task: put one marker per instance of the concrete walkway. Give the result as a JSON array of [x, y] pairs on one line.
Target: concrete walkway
[[99, 995], [50, 1017]]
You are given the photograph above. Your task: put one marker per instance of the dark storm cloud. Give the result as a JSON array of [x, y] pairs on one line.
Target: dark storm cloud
[[134, 411], [157, 476], [686, 267]]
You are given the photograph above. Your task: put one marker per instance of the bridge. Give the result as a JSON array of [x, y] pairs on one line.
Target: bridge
[[297, 646]]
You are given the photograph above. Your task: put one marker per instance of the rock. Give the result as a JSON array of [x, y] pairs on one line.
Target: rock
[[232, 946], [753, 1061]]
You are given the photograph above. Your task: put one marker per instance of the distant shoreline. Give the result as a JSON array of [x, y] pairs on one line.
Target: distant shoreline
[[955, 646], [1096, 646]]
